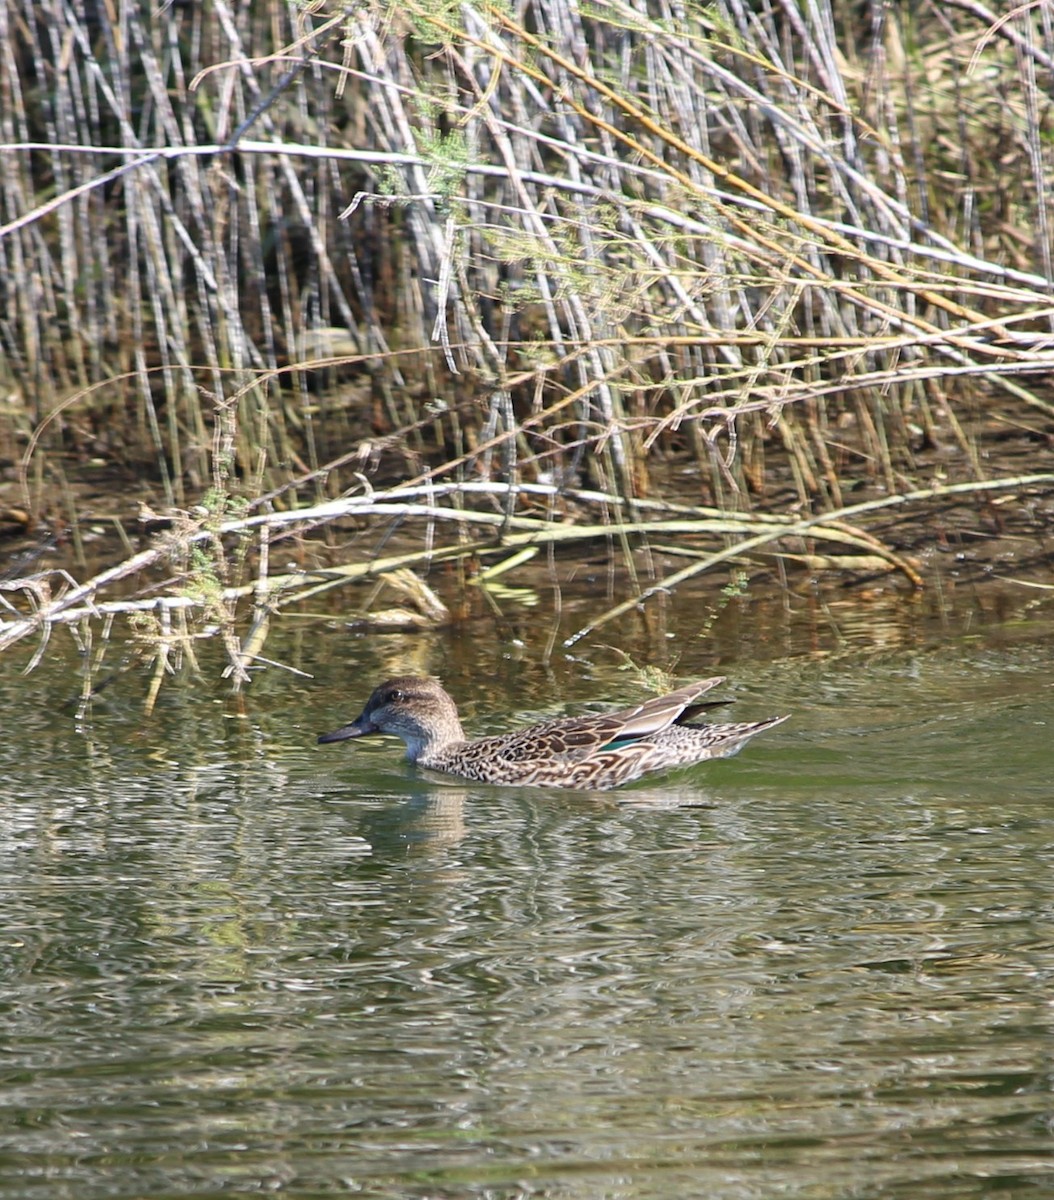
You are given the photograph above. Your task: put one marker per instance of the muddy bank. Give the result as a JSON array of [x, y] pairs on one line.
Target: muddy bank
[[947, 563]]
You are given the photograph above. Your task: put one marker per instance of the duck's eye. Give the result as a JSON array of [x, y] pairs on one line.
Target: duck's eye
[[396, 697]]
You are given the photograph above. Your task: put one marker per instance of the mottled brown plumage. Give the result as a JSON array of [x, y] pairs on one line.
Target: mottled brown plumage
[[588, 753]]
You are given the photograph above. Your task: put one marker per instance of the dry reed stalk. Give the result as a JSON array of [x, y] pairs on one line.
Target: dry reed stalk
[[743, 535]]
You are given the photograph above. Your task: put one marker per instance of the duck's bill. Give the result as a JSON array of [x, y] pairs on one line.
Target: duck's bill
[[357, 728]]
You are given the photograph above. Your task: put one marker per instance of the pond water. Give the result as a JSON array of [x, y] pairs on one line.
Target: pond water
[[234, 961]]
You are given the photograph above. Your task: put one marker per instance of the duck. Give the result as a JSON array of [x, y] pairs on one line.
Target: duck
[[596, 752]]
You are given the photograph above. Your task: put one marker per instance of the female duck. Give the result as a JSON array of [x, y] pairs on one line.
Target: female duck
[[588, 753]]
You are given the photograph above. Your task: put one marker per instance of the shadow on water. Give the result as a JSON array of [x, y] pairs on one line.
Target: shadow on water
[[233, 961]]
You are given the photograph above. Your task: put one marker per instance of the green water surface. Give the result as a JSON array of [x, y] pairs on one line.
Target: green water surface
[[234, 962]]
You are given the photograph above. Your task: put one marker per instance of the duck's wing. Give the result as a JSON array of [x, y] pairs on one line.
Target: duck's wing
[[661, 711], [571, 739]]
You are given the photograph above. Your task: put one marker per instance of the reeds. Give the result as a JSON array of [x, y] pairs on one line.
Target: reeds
[[264, 254]]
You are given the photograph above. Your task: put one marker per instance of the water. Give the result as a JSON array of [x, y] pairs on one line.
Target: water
[[232, 961]]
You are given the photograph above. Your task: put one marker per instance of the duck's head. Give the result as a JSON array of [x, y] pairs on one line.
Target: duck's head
[[414, 708]]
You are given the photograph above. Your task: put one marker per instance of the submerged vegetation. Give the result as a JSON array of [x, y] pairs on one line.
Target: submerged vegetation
[[696, 281]]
